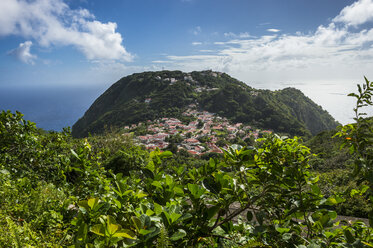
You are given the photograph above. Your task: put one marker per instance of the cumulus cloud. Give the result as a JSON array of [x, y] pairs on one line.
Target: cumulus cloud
[[196, 43], [22, 53], [358, 13], [337, 50], [54, 23]]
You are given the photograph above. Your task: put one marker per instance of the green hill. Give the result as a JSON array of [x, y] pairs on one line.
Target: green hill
[[150, 95]]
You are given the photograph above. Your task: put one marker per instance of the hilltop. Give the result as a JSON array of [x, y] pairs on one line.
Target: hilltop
[[153, 95]]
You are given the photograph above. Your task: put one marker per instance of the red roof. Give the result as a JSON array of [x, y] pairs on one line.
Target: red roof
[[191, 140], [193, 152], [216, 150]]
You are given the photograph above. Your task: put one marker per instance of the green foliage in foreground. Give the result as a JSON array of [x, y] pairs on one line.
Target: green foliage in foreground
[[335, 168], [56, 191]]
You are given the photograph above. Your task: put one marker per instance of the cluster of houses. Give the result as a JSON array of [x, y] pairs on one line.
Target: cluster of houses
[[204, 88], [205, 126], [188, 78]]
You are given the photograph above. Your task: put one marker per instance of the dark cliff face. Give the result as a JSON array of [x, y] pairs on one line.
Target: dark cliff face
[[305, 110], [150, 95]]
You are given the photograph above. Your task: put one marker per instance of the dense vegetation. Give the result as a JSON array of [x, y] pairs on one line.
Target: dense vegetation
[[103, 191], [284, 111]]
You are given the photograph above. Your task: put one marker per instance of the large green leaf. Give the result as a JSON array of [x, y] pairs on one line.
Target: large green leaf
[[282, 229], [179, 191], [82, 232], [84, 205], [113, 228], [212, 211], [169, 180], [165, 154], [125, 233], [157, 208], [92, 202], [157, 184], [166, 218], [141, 194], [147, 231], [184, 217], [137, 222], [349, 237], [212, 186], [74, 154], [98, 229], [196, 190], [179, 234], [174, 217]]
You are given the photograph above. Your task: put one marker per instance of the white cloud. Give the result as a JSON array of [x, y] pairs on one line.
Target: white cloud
[[161, 61], [196, 43], [197, 30], [331, 52], [22, 53], [106, 72], [54, 23], [357, 13], [240, 35], [273, 30]]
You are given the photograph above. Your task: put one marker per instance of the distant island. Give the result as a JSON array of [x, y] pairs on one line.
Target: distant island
[[168, 94]]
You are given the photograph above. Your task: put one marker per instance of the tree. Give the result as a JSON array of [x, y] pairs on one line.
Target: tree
[[359, 140]]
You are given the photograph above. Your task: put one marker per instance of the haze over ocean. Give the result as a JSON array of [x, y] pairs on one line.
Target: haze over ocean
[[56, 108]]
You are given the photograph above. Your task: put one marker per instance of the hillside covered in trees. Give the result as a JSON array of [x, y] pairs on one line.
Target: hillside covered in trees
[[151, 95]]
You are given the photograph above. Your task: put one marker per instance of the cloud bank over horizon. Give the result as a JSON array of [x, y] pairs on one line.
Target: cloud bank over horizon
[[52, 23], [339, 50]]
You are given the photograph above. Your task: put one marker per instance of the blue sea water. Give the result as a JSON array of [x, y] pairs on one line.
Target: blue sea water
[[49, 108], [55, 108]]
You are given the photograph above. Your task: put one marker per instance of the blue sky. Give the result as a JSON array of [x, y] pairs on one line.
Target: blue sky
[[323, 44]]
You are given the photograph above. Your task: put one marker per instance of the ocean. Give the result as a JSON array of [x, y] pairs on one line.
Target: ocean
[[49, 108], [56, 108]]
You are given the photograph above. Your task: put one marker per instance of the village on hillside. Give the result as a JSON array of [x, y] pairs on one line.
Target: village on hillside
[[205, 134]]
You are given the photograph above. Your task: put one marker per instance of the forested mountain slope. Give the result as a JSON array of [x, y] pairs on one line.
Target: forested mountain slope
[[150, 95]]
